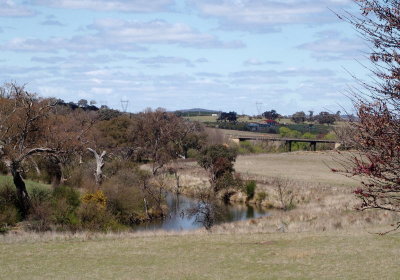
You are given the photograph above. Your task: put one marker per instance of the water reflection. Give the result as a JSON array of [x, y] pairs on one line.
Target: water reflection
[[182, 216]]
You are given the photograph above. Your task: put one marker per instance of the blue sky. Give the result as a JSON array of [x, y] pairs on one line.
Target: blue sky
[[287, 55]]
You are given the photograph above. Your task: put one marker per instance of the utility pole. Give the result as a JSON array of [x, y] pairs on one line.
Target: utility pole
[[259, 107], [124, 105]]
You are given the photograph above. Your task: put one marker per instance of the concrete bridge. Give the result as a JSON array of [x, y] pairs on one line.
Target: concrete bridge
[[288, 141]]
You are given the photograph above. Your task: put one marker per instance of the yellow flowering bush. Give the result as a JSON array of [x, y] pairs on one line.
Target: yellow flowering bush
[[97, 198]]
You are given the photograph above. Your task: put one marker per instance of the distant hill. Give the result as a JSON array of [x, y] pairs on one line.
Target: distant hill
[[196, 112]]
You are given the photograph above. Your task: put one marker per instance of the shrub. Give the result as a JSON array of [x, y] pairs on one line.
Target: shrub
[[285, 193], [130, 198], [46, 170], [284, 131], [8, 217], [93, 213], [261, 196], [75, 176], [309, 135], [8, 195], [248, 147], [192, 153], [9, 214], [311, 128], [225, 181], [69, 194], [250, 189], [127, 204], [331, 136], [113, 167], [65, 203], [81, 176], [95, 218], [41, 213], [97, 198], [40, 195], [3, 168]]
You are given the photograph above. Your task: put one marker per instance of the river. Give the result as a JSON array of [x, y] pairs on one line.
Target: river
[[178, 219]]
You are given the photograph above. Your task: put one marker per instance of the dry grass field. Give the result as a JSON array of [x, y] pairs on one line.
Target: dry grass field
[[310, 167], [333, 255]]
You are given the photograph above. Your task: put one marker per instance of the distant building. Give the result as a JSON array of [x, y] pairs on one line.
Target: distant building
[[270, 122]]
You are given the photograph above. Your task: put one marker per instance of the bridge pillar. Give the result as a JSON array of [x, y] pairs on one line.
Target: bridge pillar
[[337, 145], [313, 146], [288, 145]]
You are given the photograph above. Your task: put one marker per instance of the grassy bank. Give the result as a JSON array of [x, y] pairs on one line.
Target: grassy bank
[[310, 167], [340, 255], [29, 184], [321, 200]]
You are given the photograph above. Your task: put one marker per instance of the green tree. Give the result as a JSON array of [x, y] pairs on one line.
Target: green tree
[[218, 160], [326, 118], [299, 117], [83, 103], [271, 115]]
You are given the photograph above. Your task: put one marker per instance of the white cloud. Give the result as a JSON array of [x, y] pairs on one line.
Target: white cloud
[[267, 15], [124, 35], [157, 61], [158, 31], [290, 72], [259, 62], [9, 8], [330, 45], [109, 5]]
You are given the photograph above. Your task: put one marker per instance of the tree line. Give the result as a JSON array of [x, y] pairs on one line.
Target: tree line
[[298, 117], [99, 150], [93, 158]]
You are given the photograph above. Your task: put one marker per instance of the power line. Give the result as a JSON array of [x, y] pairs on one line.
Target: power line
[[124, 105], [259, 107]]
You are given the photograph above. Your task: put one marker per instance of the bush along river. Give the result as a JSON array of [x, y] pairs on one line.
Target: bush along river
[[185, 213]]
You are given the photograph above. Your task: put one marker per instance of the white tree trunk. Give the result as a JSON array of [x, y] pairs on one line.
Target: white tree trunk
[[98, 174]]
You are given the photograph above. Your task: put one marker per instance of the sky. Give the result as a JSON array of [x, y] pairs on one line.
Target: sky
[[247, 56]]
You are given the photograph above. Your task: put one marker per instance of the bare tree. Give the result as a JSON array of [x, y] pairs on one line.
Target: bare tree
[[285, 193], [23, 131], [98, 174], [377, 133], [31, 127], [162, 137], [69, 131]]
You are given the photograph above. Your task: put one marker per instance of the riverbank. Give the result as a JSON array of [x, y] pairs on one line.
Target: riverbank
[[321, 200]]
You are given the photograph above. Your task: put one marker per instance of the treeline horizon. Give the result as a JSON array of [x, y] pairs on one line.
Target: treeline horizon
[[272, 114]]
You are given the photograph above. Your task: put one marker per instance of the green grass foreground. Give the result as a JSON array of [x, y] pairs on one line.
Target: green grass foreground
[[335, 255]]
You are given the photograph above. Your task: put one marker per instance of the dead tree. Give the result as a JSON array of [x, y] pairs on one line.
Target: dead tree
[[98, 174]]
